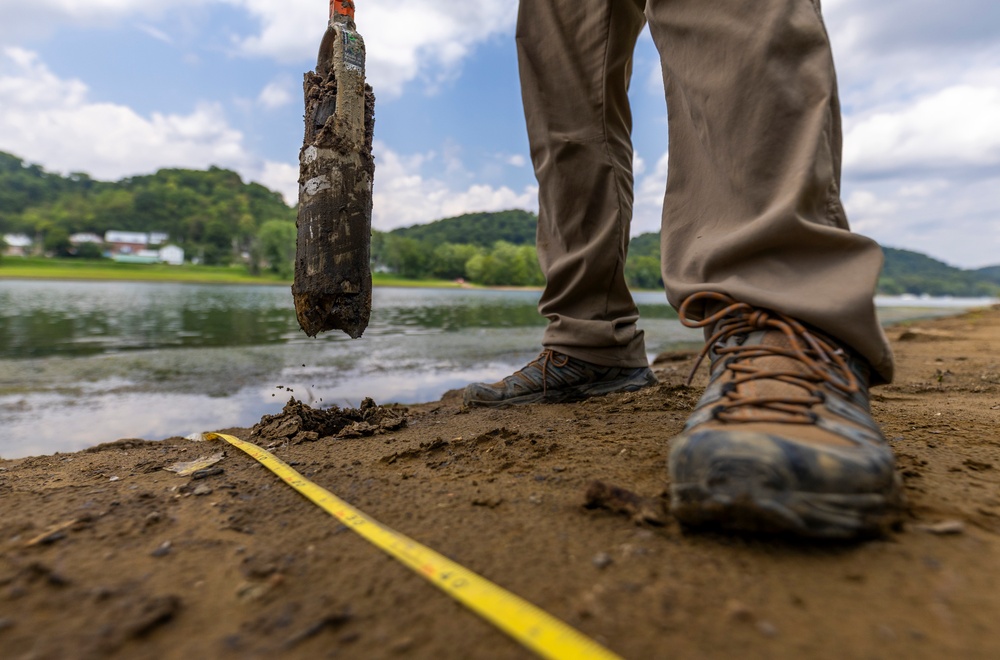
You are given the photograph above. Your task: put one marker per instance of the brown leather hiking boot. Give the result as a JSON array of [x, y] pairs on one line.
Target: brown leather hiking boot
[[553, 377], [783, 439]]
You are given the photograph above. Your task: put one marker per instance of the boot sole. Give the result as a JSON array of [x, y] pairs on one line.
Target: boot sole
[[815, 515], [576, 393]]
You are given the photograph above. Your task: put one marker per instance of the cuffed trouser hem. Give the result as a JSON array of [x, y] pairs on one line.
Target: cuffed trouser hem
[[632, 354]]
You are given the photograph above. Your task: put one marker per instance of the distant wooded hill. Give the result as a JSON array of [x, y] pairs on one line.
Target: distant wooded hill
[[211, 213], [905, 272], [916, 273], [215, 215], [481, 229]]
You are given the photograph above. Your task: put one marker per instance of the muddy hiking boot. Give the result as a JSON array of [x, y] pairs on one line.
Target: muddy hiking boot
[[783, 439], [553, 377]]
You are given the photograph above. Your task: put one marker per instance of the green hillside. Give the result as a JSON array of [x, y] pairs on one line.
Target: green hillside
[[23, 186], [915, 273], [904, 272], [642, 269], [480, 229], [213, 214], [493, 249], [990, 273]]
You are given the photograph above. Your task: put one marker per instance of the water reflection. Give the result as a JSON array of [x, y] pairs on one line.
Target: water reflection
[[88, 362], [44, 319]]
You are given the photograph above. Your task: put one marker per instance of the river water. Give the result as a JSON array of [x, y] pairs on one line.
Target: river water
[[89, 362]]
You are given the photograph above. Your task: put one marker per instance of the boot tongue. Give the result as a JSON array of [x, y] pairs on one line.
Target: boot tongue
[[770, 388]]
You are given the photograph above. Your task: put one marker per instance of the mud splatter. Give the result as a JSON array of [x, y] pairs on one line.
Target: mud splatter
[[298, 422]]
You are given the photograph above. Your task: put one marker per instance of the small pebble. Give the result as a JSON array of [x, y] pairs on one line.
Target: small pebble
[[602, 560], [202, 490], [52, 538], [737, 611], [766, 628], [57, 579], [163, 550], [207, 472], [113, 479]]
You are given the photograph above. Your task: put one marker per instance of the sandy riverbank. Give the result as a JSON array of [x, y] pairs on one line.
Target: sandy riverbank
[[103, 553]]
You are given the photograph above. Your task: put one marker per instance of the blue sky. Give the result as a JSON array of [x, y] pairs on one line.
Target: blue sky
[[123, 87]]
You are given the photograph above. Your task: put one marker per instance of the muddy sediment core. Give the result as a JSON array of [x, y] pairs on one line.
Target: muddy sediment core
[[332, 286], [106, 554]]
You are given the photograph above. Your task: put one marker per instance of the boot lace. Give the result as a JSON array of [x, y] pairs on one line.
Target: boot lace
[[820, 362], [543, 361]]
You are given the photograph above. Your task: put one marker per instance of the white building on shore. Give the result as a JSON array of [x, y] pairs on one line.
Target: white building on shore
[[18, 245], [140, 247], [171, 254]]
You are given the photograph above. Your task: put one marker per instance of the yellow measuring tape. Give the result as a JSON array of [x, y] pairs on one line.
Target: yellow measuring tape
[[534, 628]]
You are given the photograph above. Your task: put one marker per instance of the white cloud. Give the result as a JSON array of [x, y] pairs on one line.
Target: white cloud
[[85, 8], [638, 165], [53, 121], [869, 211], [50, 120], [895, 50], [405, 196], [916, 24], [39, 17], [954, 128], [155, 33], [647, 207], [404, 39], [923, 189], [275, 95], [957, 221], [281, 177], [290, 31]]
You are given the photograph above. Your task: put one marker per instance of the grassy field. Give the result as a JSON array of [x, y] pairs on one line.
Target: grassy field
[[102, 269]]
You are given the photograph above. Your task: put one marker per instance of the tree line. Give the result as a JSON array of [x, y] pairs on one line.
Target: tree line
[[218, 218], [492, 249], [502, 264]]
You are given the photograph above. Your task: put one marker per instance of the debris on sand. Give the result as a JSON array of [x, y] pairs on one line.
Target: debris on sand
[[186, 468], [298, 423], [52, 534], [618, 500], [943, 528]]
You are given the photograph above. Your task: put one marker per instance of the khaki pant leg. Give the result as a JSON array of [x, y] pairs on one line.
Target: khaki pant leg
[[575, 61], [752, 207]]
